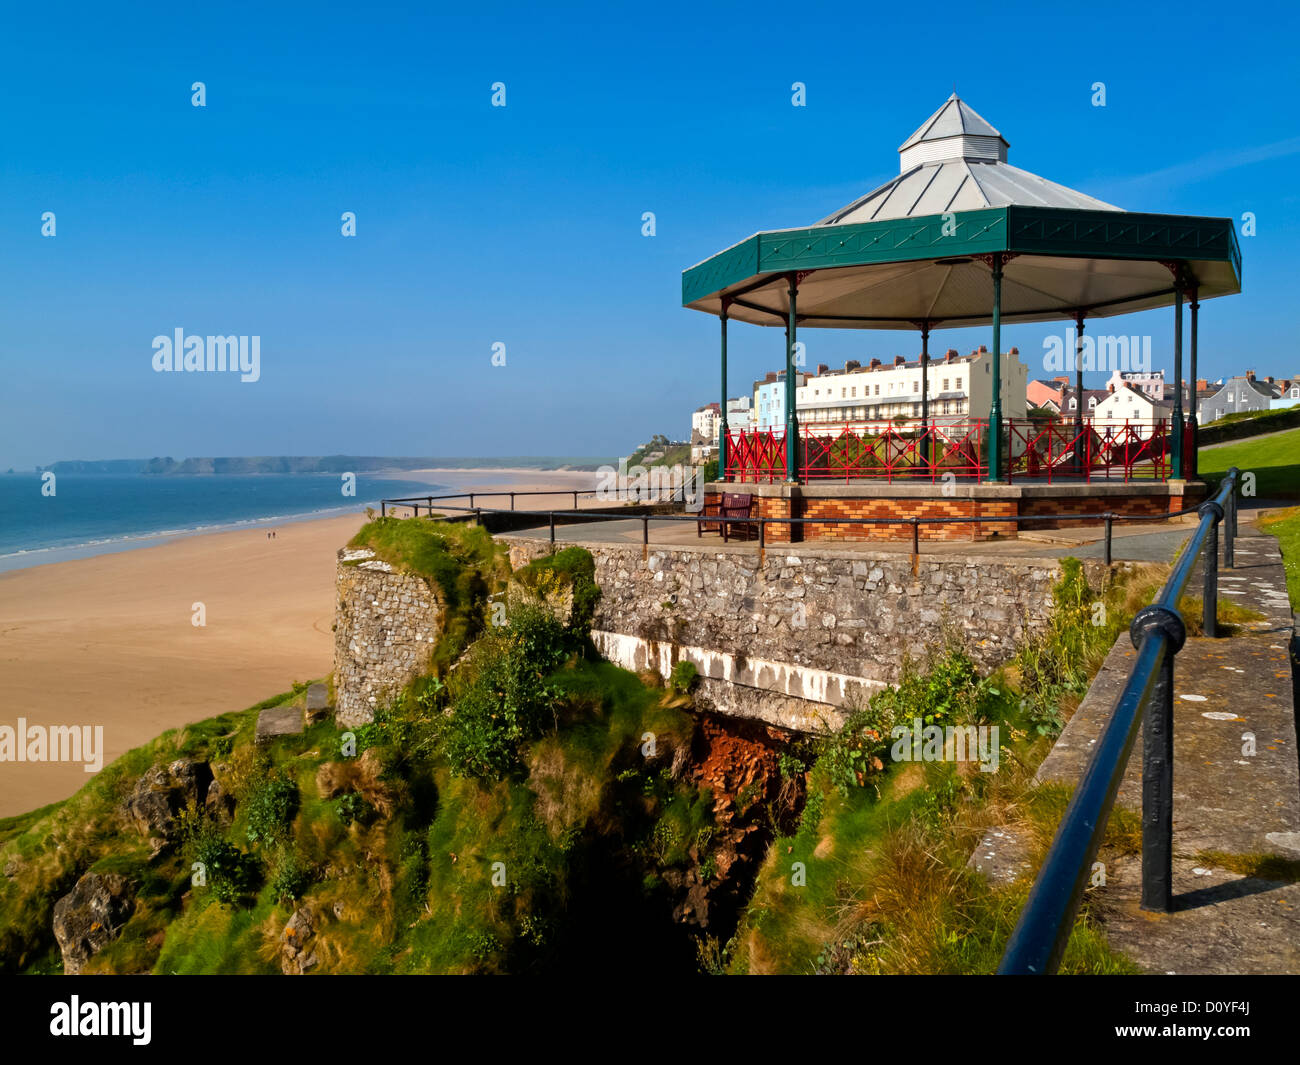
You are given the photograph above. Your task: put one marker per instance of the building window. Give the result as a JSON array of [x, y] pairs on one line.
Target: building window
[[957, 384], [916, 386], [854, 392], [877, 390], [945, 384]]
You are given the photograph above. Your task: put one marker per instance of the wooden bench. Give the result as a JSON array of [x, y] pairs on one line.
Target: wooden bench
[[735, 505], [712, 507]]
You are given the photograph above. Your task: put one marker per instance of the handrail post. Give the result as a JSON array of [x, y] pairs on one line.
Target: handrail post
[[512, 501], [552, 528], [645, 538], [1230, 533], [1158, 623], [383, 508], [762, 540], [471, 501], [1109, 518], [1210, 563], [916, 545]]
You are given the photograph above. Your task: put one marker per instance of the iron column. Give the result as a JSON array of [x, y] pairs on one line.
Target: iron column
[[722, 433], [925, 391], [791, 422], [1176, 465], [995, 409], [1078, 392], [1193, 427]]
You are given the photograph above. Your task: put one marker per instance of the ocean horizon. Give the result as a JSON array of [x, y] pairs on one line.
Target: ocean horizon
[[92, 514]]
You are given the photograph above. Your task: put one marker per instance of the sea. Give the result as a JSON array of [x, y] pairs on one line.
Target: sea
[[92, 514]]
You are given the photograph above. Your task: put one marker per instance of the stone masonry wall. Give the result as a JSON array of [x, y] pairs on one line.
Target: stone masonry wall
[[385, 626], [848, 616]]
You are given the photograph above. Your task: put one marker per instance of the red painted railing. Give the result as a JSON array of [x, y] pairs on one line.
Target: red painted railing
[[1032, 450]]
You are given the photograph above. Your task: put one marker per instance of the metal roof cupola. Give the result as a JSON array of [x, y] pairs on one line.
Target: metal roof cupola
[[957, 161]]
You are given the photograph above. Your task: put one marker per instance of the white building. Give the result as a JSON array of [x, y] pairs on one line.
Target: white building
[[959, 386], [706, 424], [1151, 383], [1128, 407]]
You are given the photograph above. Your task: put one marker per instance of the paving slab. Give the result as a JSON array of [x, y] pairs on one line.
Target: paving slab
[[317, 700], [277, 721]]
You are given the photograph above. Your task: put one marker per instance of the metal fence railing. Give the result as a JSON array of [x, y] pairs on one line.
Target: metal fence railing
[[1158, 633], [1047, 451], [432, 505]]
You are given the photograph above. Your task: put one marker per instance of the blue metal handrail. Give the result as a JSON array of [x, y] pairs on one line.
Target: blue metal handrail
[[1158, 633]]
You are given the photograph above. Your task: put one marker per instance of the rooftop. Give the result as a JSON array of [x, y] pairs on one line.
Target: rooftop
[[957, 161]]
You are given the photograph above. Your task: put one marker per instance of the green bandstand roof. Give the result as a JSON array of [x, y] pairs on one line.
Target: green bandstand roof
[[918, 249]]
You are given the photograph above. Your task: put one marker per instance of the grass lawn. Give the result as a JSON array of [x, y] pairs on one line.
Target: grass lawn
[[1285, 525], [1274, 460]]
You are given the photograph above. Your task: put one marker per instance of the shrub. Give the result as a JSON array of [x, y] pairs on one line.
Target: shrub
[[229, 872], [949, 691], [506, 700], [572, 567], [292, 878], [352, 807], [683, 678], [271, 809]]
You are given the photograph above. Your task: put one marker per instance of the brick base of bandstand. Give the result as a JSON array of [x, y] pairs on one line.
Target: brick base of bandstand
[[974, 501]]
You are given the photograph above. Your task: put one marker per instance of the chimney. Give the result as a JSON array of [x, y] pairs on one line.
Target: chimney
[[822, 368], [950, 354], [1269, 380], [899, 360], [875, 363], [1202, 385], [1250, 375], [852, 365], [771, 376], [1014, 351]]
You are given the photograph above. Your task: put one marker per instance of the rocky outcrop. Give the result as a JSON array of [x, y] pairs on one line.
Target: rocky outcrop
[[296, 954], [91, 915], [163, 792]]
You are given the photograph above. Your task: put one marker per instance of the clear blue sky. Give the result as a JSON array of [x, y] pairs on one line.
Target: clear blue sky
[[522, 225]]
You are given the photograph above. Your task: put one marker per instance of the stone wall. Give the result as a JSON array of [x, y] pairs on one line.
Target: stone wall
[[385, 626], [803, 633]]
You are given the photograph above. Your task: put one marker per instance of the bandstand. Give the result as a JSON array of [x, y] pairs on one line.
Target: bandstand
[[961, 238]]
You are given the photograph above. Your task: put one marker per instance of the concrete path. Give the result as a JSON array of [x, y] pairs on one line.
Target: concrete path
[[1143, 542], [1236, 791]]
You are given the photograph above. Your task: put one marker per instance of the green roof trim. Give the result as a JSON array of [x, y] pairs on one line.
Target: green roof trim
[[1047, 231]]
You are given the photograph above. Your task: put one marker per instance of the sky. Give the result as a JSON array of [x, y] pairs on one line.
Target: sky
[[522, 225]]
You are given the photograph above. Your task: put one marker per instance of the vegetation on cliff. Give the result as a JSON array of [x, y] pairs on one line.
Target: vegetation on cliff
[[501, 821], [875, 878]]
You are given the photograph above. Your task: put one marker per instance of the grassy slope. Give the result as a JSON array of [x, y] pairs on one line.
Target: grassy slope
[[1285, 525], [414, 888], [394, 854], [1275, 461], [887, 886]]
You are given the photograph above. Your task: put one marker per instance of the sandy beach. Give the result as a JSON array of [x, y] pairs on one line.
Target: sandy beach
[[109, 640]]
